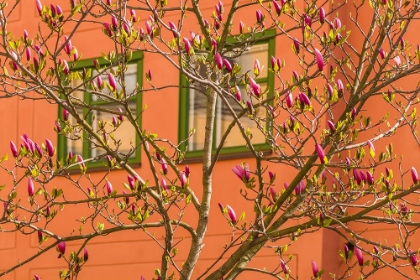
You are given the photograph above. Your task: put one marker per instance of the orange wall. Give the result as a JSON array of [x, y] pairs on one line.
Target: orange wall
[[127, 255]]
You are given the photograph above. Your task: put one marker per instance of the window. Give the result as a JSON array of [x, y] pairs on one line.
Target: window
[[122, 138], [193, 103]]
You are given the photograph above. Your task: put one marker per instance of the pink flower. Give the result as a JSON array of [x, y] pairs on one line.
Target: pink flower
[[320, 152], [219, 61], [319, 59], [359, 255], [413, 258], [397, 61], [382, 53], [174, 29], [39, 7], [15, 151], [255, 88], [112, 82], [108, 187], [231, 214], [28, 53], [315, 269], [331, 126], [242, 172], [321, 15], [227, 65], [277, 7], [289, 99], [414, 175], [50, 147], [241, 27], [85, 254], [61, 247], [182, 178], [31, 188]]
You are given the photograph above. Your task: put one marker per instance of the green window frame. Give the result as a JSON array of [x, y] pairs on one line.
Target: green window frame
[[267, 37], [62, 149]]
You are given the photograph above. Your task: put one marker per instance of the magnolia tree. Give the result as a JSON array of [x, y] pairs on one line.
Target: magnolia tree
[[316, 121]]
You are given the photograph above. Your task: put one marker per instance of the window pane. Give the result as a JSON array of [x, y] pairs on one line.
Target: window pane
[[74, 141], [246, 59], [225, 118], [197, 113], [124, 136], [130, 77]]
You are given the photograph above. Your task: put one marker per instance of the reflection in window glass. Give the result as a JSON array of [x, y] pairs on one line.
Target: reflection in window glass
[[130, 77], [124, 136], [198, 103]]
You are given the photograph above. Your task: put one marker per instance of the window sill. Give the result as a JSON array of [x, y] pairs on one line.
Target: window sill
[[96, 168], [225, 156]]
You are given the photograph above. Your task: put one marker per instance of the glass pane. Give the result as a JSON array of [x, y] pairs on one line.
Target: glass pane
[[130, 77], [197, 113], [224, 119], [124, 135], [74, 140], [246, 59]]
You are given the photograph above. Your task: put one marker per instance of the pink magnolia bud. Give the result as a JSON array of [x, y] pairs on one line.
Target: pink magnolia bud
[[369, 177], [36, 64], [304, 99], [214, 45], [131, 182], [337, 23], [174, 29], [36, 277], [259, 16], [272, 176], [237, 94], [315, 269], [149, 75], [120, 117], [370, 145], [340, 86], [61, 247], [39, 7], [273, 193], [289, 99], [15, 151], [187, 46], [59, 11], [219, 61], [80, 161], [284, 267], [163, 184], [295, 76], [382, 53], [53, 12], [414, 175], [75, 54], [31, 188], [114, 22], [66, 69], [15, 58], [330, 91], [182, 178], [227, 65], [321, 15], [28, 53], [353, 113], [242, 172], [296, 45], [300, 188], [241, 27], [85, 254], [112, 82], [255, 88], [277, 7], [413, 258], [187, 171], [38, 150], [68, 46], [25, 35], [357, 176], [232, 215], [50, 147], [220, 207], [108, 187], [331, 126], [397, 61], [319, 60], [108, 29], [39, 233], [320, 152], [359, 255], [149, 28], [164, 166]]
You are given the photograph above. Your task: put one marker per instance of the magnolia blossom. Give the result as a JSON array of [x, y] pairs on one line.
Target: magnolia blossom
[[108, 187], [255, 88], [14, 150], [319, 59], [61, 247], [31, 188], [320, 152], [321, 15], [231, 214], [414, 175], [359, 255], [242, 172], [219, 61], [315, 268]]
